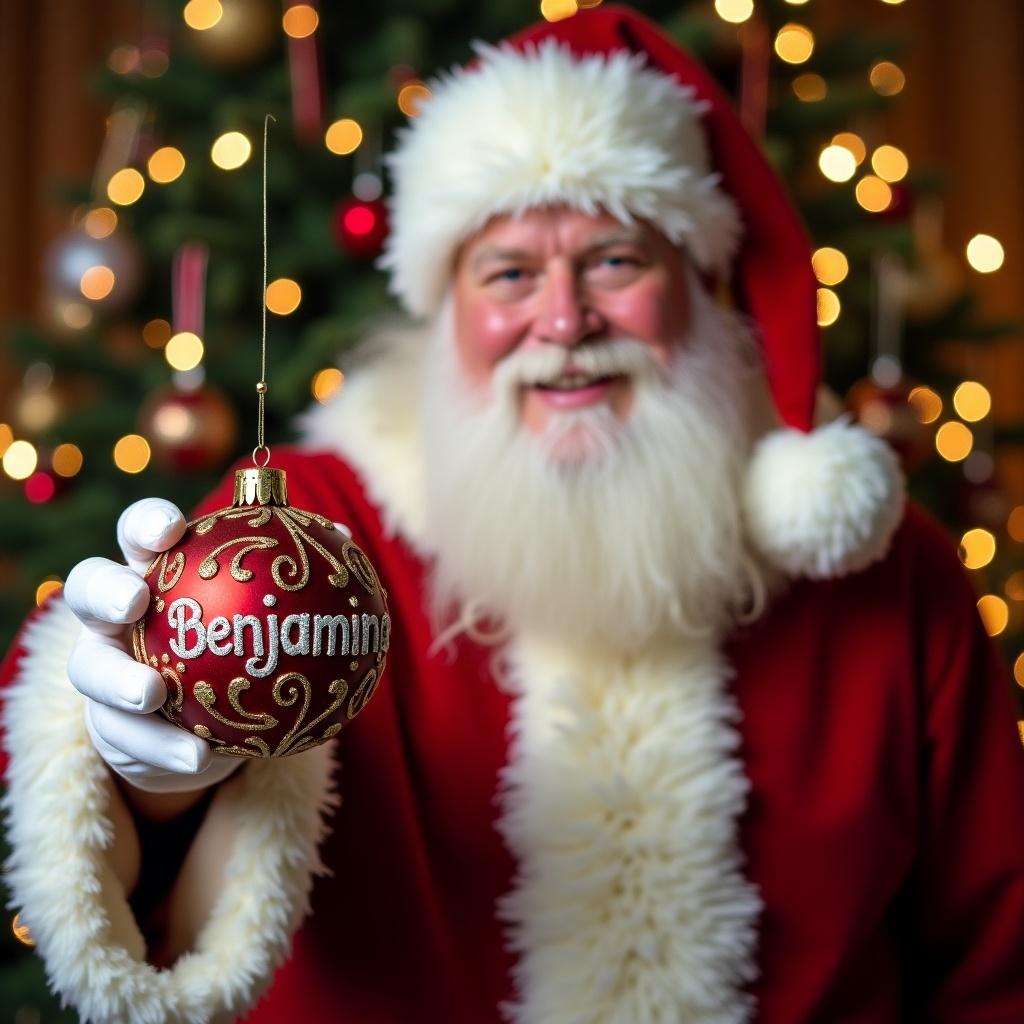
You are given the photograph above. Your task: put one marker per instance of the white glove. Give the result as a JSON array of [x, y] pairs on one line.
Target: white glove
[[143, 748]]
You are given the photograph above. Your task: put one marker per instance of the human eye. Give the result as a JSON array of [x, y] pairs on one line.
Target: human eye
[[508, 281], [616, 266]]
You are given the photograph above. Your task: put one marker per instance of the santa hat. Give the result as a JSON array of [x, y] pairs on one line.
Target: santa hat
[[603, 111]]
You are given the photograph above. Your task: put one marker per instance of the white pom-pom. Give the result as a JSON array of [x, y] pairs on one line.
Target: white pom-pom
[[823, 504]]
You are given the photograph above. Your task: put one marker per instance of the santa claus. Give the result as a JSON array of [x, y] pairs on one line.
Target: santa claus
[[687, 719]]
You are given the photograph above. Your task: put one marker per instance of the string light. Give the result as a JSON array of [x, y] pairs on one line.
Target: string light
[[977, 548], [1015, 586], [66, 459], [126, 186], [51, 585], [954, 441], [6, 438], [359, 220], [413, 95], [809, 87], [132, 453], [344, 136], [156, 333], [794, 43], [327, 383], [184, 351], [100, 223], [283, 296], [558, 10], [123, 60], [854, 143], [972, 401], [76, 315], [886, 78], [230, 151], [837, 163], [890, 163], [202, 14], [926, 404], [300, 21], [1018, 675], [1015, 524], [985, 254], [20, 460], [995, 614], [21, 932], [873, 194], [166, 165], [828, 307], [734, 11], [97, 282], [40, 487], [830, 265]]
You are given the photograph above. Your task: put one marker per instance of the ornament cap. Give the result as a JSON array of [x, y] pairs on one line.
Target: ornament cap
[[261, 486]]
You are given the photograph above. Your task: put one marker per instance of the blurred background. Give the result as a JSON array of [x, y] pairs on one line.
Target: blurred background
[[130, 251]]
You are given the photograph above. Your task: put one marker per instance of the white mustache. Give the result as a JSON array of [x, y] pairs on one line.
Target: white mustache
[[545, 363]]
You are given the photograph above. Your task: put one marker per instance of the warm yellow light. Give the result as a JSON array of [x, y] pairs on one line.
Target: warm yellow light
[[977, 548], [1015, 586], [796, 3], [49, 586], [954, 441], [892, 2], [165, 165], [873, 194], [125, 187], [76, 315], [97, 283], [995, 614], [283, 296], [828, 307], [810, 88], [184, 351], [66, 459], [854, 143], [972, 401], [20, 460], [131, 453], [100, 223], [886, 78], [413, 95], [156, 333], [558, 10], [300, 21], [1018, 675], [123, 59], [830, 265], [837, 163], [21, 932], [230, 151], [6, 438], [985, 253], [1015, 524], [344, 136], [890, 163], [202, 14], [734, 11], [327, 383], [38, 410], [794, 43], [926, 404]]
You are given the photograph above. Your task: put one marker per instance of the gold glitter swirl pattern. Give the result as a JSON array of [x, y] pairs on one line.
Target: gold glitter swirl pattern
[[364, 692], [209, 566], [207, 697], [177, 567], [176, 695], [361, 567]]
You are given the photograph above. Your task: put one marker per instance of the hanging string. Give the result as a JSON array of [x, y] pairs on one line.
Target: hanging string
[[261, 388]]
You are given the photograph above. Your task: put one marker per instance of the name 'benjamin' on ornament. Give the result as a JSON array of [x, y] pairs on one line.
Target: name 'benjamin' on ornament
[[255, 639]]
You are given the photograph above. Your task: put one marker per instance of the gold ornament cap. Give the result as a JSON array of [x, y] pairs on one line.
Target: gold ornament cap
[[261, 486]]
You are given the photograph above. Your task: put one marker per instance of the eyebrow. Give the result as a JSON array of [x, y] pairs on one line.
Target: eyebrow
[[494, 252]]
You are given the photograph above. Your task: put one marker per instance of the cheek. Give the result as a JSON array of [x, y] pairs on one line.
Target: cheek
[[652, 312], [485, 333]]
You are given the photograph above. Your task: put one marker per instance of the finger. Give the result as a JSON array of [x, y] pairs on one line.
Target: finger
[[106, 596], [102, 670], [124, 739], [146, 528]]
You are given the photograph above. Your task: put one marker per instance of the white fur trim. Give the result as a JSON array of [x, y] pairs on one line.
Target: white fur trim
[[59, 826], [826, 503], [372, 423], [621, 801], [522, 130]]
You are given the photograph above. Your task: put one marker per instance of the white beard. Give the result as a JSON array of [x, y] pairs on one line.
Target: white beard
[[604, 531]]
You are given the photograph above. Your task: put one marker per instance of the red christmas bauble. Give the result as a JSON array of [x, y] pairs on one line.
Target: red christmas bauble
[[268, 624], [361, 226], [888, 413], [189, 431]]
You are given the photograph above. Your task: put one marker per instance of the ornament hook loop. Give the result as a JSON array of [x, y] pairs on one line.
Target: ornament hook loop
[[261, 451]]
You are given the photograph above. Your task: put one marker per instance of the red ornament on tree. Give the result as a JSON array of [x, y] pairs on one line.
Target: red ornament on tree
[[361, 226], [268, 624]]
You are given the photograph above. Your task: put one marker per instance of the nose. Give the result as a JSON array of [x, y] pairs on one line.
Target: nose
[[564, 316]]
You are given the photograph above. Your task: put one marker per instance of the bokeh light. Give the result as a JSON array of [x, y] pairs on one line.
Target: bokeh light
[[327, 383], [558, 10], [1018, 675], [829, 307], [165, 165], [100, 223], [76, 315], [202, 14], [972, 401], [126, 186], [734, 11], [810, 88], [131, 453], [6, 438], [1015, 524], [40, 487], [886, 78], [977, 548], [985, 254], [283, 296], [890, 163], [156, 333], [20, 460], [1015, 586], [230, 150], [794, 43], [954, 441], [830, 265], [97, 282], [66, 459], [854, 143], [299, 21], [837, 163], [343, 136], [49, 586], [411, 98], [873, 194], [926, 404], [184, 351], [995, 614]]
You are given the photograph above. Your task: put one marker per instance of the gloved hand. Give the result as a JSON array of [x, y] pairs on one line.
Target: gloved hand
[[142, 747]]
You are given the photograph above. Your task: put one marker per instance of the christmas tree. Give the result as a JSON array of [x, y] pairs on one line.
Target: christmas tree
[[143, 381]]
